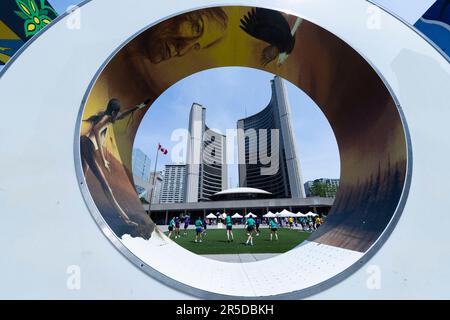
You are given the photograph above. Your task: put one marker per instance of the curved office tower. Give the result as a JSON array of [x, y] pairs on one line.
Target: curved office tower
[[206, 159], [267, 149]]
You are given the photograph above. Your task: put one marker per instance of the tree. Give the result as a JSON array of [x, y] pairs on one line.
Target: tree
[[318, 189], [322, 189]]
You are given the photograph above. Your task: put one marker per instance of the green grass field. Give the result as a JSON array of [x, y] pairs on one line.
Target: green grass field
[[215, 241]]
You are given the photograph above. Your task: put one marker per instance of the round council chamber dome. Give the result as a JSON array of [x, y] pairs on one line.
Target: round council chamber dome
[[241, 194]]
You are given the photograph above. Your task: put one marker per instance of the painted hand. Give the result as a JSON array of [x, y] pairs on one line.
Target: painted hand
[[106, 162], [144, 104]]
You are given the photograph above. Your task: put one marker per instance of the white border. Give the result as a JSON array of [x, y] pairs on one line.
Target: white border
[[48, 257]]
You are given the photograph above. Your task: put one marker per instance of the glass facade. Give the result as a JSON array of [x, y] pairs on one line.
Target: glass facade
[[255, 134], [141, 164]]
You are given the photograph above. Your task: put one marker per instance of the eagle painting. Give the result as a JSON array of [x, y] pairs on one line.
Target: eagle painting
[[270, 26]]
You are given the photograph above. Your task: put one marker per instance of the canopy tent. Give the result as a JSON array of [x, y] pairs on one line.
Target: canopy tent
[[236, 215], [311, 214], [285, 214], [211, 216], [269, 215], [300, 215], [250, 215]]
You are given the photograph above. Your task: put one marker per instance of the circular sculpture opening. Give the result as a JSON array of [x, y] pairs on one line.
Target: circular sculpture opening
[[245, 144], [368, 126]]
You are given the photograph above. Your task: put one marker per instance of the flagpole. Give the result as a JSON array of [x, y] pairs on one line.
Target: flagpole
[[153, 183]]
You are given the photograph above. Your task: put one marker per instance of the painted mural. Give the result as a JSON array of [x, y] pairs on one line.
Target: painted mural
[[435, 24]]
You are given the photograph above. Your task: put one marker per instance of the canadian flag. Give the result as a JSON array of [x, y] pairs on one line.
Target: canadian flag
[[163, 150]]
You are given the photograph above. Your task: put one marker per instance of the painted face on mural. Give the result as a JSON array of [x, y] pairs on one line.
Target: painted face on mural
[[180, 35]]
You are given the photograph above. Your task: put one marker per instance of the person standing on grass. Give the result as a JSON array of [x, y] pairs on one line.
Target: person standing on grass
[[229, 224], [311, 224], [171, 225], [257, 223], [198, 230], [318, 222], [250, 229], [273, 225], [291, 222], [177, 227], [186, 224], [205, 226]]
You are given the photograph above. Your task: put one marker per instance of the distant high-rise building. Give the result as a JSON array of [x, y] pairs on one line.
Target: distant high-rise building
[[156, 181], [141, 174], [308, 185], [172, 190], [206, 168], [140, 164], [330, 190], [284, 179]]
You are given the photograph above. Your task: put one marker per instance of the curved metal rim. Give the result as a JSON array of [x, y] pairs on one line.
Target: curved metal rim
[[158, 275], [82, 3], [194, 291]]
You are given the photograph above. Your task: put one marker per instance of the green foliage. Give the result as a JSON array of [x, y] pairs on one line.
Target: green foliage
[[321, 189], [318, 189]]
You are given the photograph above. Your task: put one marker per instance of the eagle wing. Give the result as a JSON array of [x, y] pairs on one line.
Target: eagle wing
[[269, 26]]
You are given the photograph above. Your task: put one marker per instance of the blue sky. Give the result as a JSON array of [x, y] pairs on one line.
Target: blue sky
[[62, 5], [228, 94]]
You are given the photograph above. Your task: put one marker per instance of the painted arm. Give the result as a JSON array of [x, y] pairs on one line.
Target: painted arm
[[123, 114], [297, 24]]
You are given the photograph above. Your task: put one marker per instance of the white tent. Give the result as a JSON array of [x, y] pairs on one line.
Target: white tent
[[211, 216], [300, 215], [250, 215], [269, 215], [236, 215], [220, 217], [311, 214], [285, 213]]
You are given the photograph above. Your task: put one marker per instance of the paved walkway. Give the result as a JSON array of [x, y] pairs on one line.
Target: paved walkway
[[240, 258]]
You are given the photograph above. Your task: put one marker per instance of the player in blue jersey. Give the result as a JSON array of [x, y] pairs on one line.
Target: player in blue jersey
[[229, 225]]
